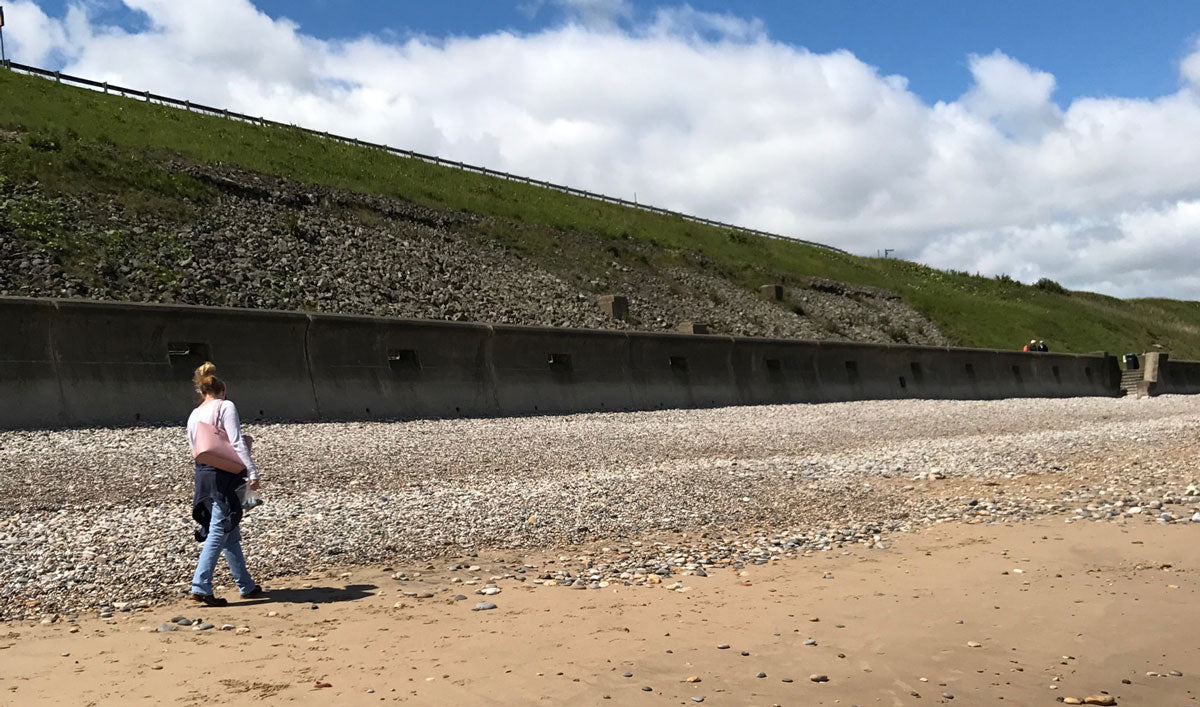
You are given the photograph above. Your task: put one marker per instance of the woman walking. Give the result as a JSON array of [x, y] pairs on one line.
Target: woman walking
[[215, 503]]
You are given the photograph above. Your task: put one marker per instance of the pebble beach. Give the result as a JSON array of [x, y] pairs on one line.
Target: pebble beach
[[97, 521]]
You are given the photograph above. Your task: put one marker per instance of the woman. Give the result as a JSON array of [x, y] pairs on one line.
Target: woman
[[215, 503]]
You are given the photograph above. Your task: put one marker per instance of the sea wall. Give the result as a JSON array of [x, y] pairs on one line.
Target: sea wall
[[70, 363], [1174, 376]]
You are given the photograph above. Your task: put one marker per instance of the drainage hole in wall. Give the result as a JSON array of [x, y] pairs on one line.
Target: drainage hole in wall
[[403, 360], [190, 350], [1088, 372], [560, 361], [1017, 373], [774, 364], [1057, 375], [903, 383], [916, 371], [679, 364], [852, 371], [970, 371]]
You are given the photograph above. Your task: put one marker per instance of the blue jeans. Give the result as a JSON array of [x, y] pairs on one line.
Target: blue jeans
[[219, 541]]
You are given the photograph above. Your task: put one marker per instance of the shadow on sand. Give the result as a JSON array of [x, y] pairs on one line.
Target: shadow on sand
[[315, 595]]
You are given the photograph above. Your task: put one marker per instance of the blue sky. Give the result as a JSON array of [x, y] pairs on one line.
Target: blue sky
[[1093, 47], [1050, 139]]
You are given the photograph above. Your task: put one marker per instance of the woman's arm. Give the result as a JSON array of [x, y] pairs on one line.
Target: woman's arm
[[233, 427]]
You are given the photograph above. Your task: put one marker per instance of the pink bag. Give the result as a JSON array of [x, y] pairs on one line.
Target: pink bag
[[212, 445]]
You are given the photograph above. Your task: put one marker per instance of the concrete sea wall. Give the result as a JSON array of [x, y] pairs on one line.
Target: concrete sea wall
[[1176, 377], [84, 363]]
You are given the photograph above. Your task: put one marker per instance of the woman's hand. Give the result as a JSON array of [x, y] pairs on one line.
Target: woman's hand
[[254, 485]]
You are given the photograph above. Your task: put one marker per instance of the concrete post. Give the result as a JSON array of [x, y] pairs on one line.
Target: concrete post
[[1152, 363], [771, 292], [615, 306]]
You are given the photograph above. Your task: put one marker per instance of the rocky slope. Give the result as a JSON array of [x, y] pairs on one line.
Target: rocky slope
[[262, 242]]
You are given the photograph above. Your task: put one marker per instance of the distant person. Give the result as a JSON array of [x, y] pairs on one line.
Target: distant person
[[1042, 347], [216, 505], [1031, 346]]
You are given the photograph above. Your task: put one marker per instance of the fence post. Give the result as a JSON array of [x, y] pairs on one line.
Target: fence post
[[57, 77], [105, 87]]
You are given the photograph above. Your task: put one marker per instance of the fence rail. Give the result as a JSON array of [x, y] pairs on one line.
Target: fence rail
[[432, 159]]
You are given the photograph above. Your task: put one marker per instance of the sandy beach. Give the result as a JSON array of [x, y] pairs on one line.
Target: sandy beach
[[1023, 614]]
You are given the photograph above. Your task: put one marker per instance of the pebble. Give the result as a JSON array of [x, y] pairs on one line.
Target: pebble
[[1100, 700], [817, 677], [203, 627], [166, 628], [484, 606]]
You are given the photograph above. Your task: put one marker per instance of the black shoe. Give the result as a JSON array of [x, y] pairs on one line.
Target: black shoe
[[256, 592], [210, 600]]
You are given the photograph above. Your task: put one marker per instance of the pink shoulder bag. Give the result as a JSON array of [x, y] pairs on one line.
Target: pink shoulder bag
[[212, 445]]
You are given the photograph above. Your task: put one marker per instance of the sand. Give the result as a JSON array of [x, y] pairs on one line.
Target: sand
[[1056, 609]]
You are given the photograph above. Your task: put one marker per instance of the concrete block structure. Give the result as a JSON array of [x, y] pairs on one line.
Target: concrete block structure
[[615, 306], [69, 363], [771, 292], [1162, 375], [692, 328]]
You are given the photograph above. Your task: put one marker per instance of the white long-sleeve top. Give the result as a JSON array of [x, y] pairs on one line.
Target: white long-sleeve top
[[230, 422]]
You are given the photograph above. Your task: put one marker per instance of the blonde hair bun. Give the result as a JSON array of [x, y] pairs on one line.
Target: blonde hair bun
[[206, 381]]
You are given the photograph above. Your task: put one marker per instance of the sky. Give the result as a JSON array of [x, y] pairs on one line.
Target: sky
[[1047, 139]]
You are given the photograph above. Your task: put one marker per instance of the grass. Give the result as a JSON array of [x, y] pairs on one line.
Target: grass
[[82, 142]]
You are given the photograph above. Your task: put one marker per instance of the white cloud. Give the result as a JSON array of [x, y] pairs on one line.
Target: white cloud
[[1015, 98], [706, 113]]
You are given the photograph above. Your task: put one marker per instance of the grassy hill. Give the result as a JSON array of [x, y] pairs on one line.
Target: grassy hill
[[82, 143]]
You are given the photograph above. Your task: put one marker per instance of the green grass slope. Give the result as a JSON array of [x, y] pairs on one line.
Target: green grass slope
[[77, 141]]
